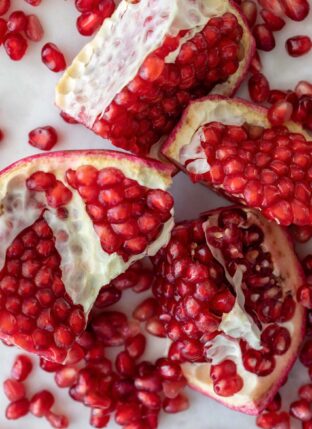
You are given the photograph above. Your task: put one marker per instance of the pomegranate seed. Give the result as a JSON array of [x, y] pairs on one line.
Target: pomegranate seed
[[43, 138], [17, 409], [249, 9], [146, 310], [13, 390], [34, 2], [225, 369], [49, 366], [135, 346], [152, 68], [172, 389], [273, 419], [274, 6], [15, 46], [273, 22], [4, 6], [53, 58], [264, 37], [298, 45], [301, 410], [58, 196], [41, 403], [307, 425], [149, 400], [156, 327], [99, 418], [259, 88], [22, 367], [34, 30], [89, 22], [306, 354], [67, 118], [301, 233], [149, 383], [280, 113], [17, 21], [66, 376], [304, 296], [56, 421], [305, 392], [3, 31], [127, 413], [176, 405], [297, 10], [275, 404], [125, 364], [86, 5], [107, 7]]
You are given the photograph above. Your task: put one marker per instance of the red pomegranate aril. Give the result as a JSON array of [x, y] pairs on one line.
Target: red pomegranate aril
[[53, 58], [99, 418], [304, 296], [259, 88], [148, 383], [41, 403], [125, 365], [14, 390], [66, 376], [4, 6], [273, 22], [34, 30], [135, 346], [43, 138], [106, 7], [297, 10], [48, 366], [172, 389], [21, 368], [57, 421], [176, 405], [34, 2], [146, 310], [280, 113], [249, 9], [273, 6], [305, 392], [15, 46], [264, 37], [303, 88], [273, 419], [127, 413], [149, 400], [298, 45], [307, 425], [86, 5], [228, 386], [155, 327], [89, 22], [17, 21], [17, 409], [301, 410], [59, 195], [275, 404], [223, 370]]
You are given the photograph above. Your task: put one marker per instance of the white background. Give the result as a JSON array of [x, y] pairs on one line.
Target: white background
[[26, 101]]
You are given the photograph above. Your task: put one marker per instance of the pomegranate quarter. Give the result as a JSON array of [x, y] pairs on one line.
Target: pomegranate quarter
[[71, 222], [131, 83], [227, 287], [230, 146]]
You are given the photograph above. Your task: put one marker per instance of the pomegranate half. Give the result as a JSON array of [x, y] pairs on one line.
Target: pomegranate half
[[227, 286], [131, 83], [230, 146], [70, 223]]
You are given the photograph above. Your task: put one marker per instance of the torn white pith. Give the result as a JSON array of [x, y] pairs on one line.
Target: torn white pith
[[120, 48], [84, 264]]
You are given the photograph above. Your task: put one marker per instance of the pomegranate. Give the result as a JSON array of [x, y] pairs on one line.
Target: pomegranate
[[56, 211], [227, 287], [229, 145], [184, 49]]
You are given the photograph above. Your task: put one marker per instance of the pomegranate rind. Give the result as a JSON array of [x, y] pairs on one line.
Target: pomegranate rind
[[78, 83], [103, 267], [253, 401], [234, 111]]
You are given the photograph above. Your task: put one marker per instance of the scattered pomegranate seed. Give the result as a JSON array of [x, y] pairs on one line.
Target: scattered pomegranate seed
[[176, 405], [301, 410], [86, 5], [53, 58], [41, 403], [34, 2], [34, 30], [274, 6], [17, 21], [14, 390], [273, 22], [99, 418], [297, 10], [57, 421], [43, 138], [22, 367], [4, 6], [301, 233], [264, 37], [89, 22], [15, 46], [259, 88], [303, 88], [17, 409], [298, 45], [280, 112]]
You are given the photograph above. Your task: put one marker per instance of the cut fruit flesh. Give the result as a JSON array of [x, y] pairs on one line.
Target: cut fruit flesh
[[230, 146], [55, 257], [266, 317], [164, 54]]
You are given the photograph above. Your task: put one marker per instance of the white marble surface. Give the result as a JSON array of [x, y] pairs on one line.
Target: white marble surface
[[26, 101]]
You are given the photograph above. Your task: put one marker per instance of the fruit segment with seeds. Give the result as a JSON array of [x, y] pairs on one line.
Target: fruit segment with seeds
[[230, 146], [70, 223], [132, 82], [227, 288]]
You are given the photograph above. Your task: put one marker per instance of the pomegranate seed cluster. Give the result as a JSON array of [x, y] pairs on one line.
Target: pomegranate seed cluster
[[93, 13], [270, 170], [151, 104], [127, 216], [35, 311]]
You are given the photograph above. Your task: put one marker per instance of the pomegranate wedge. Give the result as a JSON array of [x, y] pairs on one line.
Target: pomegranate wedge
[[70, 223], [227, 286], [230, 146], [131, 83]]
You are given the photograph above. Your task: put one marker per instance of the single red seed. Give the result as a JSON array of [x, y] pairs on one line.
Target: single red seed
[[274, 6], [41, 403], [99, 418], [146, 310], [152, 68], [127, 413], [15, 46], [280, 113], [17, 409], [273, 419], [49, 366], [57, 421], [304, 296], [66, 376], [86, 5], [301, 410], [275, 404], [43, 138], [228, 386], [176, 405], [106, 7], [259, 88], [21, 368], [34, 30], [305, 392], [53, 58], [273, 22], [59, 195], [298, 45], [135, 346], [297, 10], [34, 2], [4, 6], [89, 22], [17, 21], [14, 390], [264, 37]]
